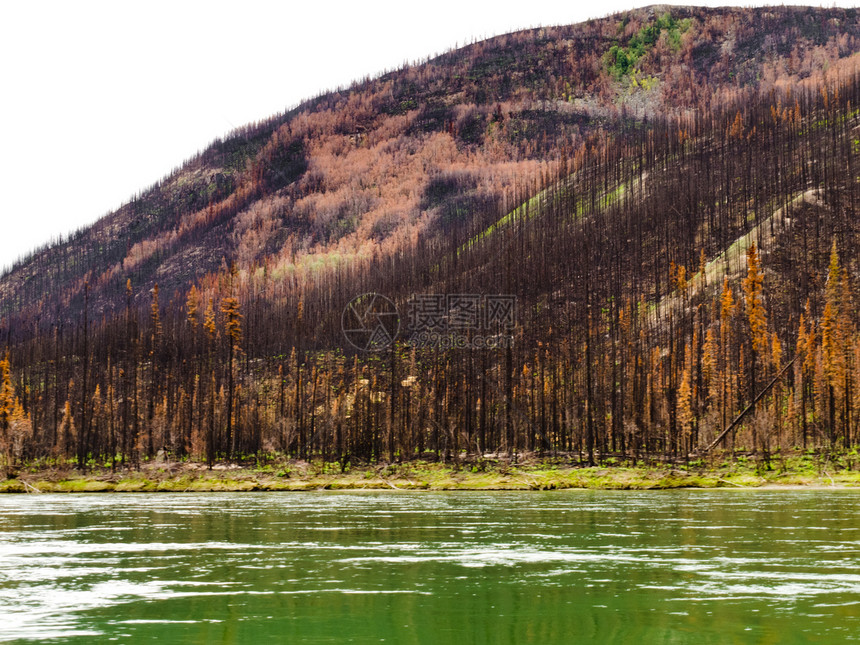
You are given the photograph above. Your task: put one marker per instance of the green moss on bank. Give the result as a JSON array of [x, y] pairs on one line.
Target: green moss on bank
[[797, 469]]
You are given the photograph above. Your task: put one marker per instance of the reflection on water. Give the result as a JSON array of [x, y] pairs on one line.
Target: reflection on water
[[576, 566]]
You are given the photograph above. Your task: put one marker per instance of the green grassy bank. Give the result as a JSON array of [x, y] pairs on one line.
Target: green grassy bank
[[796, 469]]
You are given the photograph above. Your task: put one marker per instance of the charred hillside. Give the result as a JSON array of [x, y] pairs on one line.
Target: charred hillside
[[419, 150], [676, 259]]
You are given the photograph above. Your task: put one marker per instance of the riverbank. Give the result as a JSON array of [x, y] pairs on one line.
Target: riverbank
[[804, 470]]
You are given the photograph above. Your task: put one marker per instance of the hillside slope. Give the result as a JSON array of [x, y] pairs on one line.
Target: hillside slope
[[600, 241], [421, 150]]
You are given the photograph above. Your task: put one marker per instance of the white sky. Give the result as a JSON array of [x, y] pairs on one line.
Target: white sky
[[101, 99]]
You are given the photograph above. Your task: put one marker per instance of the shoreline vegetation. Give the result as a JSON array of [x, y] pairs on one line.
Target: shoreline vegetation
[[457, 257], [789, 470]]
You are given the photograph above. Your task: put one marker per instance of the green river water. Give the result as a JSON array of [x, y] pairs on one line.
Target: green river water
[[720, 566]]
